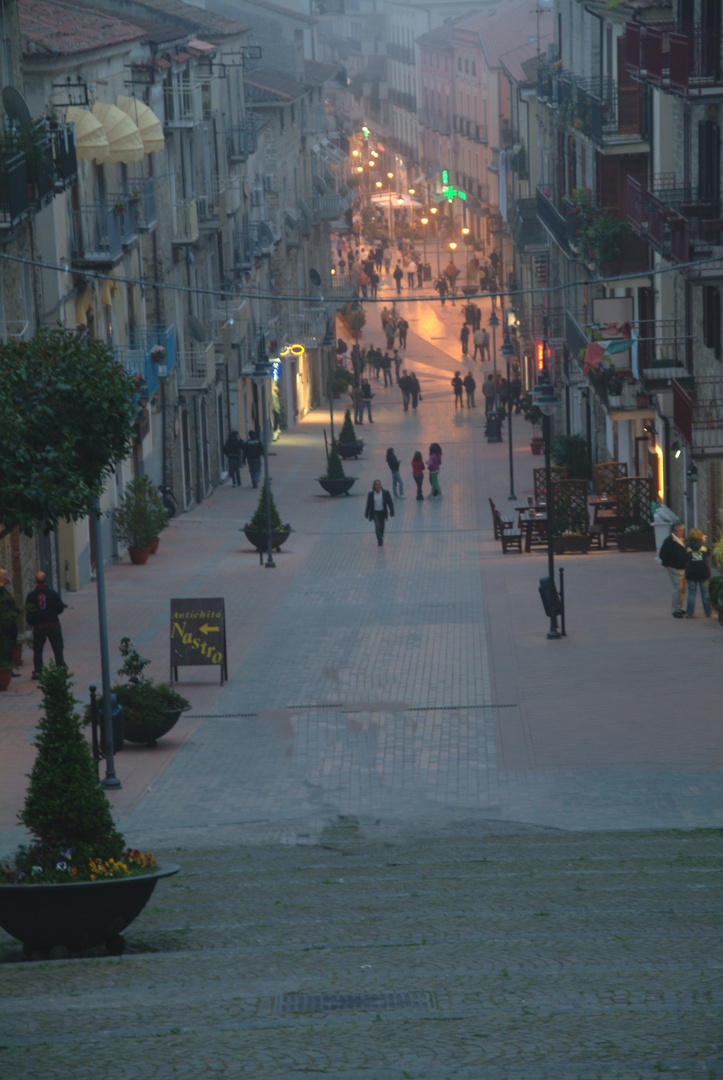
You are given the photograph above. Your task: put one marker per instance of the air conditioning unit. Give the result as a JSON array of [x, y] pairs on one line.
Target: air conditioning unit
[[269, 182], [551, 52], [257, 196]]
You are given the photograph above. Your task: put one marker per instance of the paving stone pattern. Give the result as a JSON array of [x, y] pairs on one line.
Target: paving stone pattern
[[534, 954]]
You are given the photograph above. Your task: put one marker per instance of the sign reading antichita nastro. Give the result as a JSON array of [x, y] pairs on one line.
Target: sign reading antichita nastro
[[198, 634]]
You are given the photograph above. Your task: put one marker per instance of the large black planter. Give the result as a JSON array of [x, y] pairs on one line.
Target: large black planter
[[337, 487], [258, 538], [137, 730], [350, 450], [76, 916]]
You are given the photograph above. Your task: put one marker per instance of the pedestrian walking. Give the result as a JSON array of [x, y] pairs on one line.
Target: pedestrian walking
[[373, 284], [367, 396], [489, 390], [481, 340], [397, 365], [402, 328], [405, 385], [470, 386], [441, 287], [398, 275], [387, 369], [697, 571], [233, 448], [434, 464], [515, 391], [254, 451], [458, 387], [357, 398], [418, 468], [477, 316], [673, 556], [43, 607], [379, 507], [464, 338], [420, 274], [397, 485], [411, 274], [415, 390], [364, 282], [9, 612]]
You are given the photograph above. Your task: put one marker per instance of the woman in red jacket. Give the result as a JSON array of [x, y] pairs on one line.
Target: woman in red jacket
[[418, 468]]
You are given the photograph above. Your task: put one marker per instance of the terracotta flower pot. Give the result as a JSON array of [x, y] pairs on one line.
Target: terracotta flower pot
[[6, 674], [153, 547], [139, 556]]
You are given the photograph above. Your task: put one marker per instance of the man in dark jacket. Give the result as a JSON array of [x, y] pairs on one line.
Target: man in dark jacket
[[379, 507], [398, 275], [42, 608], [233, 448], [254, 451], [672, 556], [697, 572]]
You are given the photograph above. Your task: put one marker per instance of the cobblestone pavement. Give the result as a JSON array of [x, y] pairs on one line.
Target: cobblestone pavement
[[403, 789], [476, 953]]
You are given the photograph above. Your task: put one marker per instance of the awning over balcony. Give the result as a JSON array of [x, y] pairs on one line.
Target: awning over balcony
[[123, 136], [146, 121], [91, 141]]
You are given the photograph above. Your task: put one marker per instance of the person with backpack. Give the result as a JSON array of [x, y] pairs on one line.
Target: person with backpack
[[254, 451], [697, 572], [233, 448]]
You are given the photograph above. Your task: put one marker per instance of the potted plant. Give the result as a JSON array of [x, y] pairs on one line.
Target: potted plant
[[349, 446], [341, 380], [139, 518], [120, 207], [150, 709], [256, 530], [158, 354], [74, 886], [134, 198], [533, 415], [353, 319], [335, 481]]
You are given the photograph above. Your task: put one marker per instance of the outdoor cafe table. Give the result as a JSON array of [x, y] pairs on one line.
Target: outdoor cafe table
[[535, 527]]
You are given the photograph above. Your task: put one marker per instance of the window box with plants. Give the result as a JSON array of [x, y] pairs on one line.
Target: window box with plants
[[335, 481], [74, 886], [348, 445], [256, 531]]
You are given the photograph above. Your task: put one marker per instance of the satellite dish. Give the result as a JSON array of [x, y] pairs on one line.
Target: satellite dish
[[196, 329], [16, 106], [265, 234], [314, 277], [319, 185]]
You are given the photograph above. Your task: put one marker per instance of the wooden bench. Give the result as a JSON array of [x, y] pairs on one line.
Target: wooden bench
[[495, 519], [511, 537]]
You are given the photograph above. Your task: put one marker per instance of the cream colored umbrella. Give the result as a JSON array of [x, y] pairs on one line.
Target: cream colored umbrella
[[91, 141], [123, 136], [146, 121]]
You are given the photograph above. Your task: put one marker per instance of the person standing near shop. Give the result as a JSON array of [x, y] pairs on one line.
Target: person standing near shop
[[697, 571], [415, 390], [254, 451], [233, 448], [379, 507], [672, 555], [458, 387], [411, 274], [489, 390], [43, 607], [367, 396]]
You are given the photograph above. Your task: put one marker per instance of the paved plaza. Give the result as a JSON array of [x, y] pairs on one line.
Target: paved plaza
[[403, 788]]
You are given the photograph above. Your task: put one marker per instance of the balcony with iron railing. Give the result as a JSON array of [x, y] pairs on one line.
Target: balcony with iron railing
[[211, 206], [306, 326], [673, 219], [331, 206], [97, 236], [403, 53], [606, 113], [125, 211], [551, 212], [313, 120], [135, 357], [680, 59], [242, 141], [527, 229], [14, 201], [183, 105], [698, 415]]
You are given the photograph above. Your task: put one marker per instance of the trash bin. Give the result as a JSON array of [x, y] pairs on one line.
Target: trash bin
[[663, 518], [493, 426], [550, 598], [427, 269]]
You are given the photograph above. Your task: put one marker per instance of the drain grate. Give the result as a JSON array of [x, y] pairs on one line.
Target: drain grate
[[311, 1003]]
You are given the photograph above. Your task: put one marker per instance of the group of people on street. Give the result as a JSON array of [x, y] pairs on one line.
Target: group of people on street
[[239, 452], [380, 504], [466, 385], [686, 561]]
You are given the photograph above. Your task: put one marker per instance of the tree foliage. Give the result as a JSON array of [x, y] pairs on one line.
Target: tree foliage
[[67, 410]]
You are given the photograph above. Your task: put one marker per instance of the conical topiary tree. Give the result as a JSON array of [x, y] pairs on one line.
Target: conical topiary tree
[[65, 806], [347, 435], [258, 521], [334, 468]]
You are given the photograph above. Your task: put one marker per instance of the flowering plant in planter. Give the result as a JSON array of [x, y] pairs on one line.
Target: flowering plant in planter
[[158, 354]]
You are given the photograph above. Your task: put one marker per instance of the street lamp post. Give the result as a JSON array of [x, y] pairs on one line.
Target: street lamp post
[[507, 351], [390, 178], [453, 282], [425, 222], [494, 322], [329, 343], [260, 376], [545, 397], [436, 234]]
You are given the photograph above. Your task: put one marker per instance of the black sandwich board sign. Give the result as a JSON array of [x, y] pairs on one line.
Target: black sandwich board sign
[[198, 635]]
